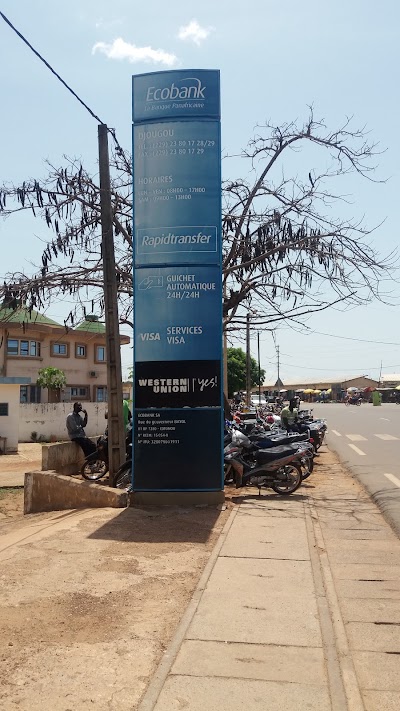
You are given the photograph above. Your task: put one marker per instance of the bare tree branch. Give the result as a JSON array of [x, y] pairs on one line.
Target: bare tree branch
[[287, 249]]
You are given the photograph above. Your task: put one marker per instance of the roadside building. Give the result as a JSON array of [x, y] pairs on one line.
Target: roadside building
[[9, 413], [336, 386], [391, 380], [30, 341]]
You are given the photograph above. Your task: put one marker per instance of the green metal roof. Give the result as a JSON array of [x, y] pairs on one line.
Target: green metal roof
[[91, 327], [22, 315]]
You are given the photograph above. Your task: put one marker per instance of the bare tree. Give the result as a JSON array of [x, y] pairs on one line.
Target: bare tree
[[286, 250]]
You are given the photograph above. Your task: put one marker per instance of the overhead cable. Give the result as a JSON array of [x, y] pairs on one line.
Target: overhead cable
[[63, 82]]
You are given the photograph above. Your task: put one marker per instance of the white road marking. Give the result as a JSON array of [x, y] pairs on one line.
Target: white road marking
[[336, 433], [393, 479], [386, 437], [356, 438], [384, 418], [358, 451]]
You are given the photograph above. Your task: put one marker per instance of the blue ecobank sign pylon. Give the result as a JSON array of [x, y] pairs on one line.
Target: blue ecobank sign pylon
[[177, 276]]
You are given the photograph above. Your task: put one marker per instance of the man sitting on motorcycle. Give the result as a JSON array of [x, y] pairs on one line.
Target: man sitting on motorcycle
[[289, 416], [76, 432]]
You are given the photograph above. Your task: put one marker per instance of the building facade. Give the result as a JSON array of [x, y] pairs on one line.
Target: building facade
[[30, 341], [335, 385], [390, 380]]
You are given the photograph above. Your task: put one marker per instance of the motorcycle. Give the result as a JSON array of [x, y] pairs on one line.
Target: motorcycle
[[354, 401], [123, 477], [96, 465], [277, 468], [299, 442]]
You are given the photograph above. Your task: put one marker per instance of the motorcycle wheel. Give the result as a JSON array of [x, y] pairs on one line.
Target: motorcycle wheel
[[308, 464], [228, 474], [94, 470], [293, 472], [123, 477]]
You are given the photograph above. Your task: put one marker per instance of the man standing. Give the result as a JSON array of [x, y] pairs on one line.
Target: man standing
[[76, 432]]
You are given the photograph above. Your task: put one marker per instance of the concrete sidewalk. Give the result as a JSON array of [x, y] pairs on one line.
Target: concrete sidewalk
[[299, 608]]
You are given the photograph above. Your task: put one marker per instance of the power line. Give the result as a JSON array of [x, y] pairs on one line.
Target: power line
[[323, 370], [344, 338], [64, 83], [359, 340]]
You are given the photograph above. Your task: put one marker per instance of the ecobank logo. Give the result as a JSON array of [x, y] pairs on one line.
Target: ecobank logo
[[184, 89]]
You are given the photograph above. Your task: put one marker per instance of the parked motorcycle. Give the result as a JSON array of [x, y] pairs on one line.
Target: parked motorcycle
[[277, 468], [96, 465], [300, 443], [123, 477]]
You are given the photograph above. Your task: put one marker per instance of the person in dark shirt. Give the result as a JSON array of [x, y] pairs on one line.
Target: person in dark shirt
[[76, 432]]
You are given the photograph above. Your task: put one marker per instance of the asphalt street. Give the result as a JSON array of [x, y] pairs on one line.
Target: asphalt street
[[367, 441]]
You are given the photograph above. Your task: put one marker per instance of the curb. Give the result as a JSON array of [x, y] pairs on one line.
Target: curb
[[157, 682], [11, 486], [343, 683]]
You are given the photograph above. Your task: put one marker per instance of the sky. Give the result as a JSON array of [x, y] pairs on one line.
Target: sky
[[275, 59]]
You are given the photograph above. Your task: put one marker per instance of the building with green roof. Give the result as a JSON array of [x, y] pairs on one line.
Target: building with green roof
[[30, 341]]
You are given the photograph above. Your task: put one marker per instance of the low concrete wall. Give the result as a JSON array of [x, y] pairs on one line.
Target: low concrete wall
[[63, 457], [49, 491]]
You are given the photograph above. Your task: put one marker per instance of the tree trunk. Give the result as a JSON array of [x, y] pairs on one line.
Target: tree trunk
[[55, 395]]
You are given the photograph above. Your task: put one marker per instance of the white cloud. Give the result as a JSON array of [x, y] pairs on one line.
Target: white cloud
[[193, 32], [119, 49]]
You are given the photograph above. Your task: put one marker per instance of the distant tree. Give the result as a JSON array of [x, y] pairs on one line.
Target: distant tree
[[237, 371], [53, 379]]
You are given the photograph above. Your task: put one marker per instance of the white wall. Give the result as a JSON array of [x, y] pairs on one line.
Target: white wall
[[9, 425], [49, 419]]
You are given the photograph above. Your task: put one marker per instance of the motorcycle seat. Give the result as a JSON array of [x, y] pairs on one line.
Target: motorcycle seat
[[298, 437], [263, 441], [270, 455]]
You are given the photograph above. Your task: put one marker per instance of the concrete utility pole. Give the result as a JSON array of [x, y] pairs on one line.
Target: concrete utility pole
[[116, 430], [248, 361], [277, 353], [225, 354], [259, 368]]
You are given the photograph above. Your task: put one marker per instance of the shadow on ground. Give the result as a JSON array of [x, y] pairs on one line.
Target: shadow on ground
[[148, 525]]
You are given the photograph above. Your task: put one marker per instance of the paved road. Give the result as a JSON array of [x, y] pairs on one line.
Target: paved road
[[367, 440]]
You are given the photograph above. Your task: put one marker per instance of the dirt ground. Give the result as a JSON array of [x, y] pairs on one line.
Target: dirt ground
[[11, 503], [14, 466], [88, 606], [29, 453]]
